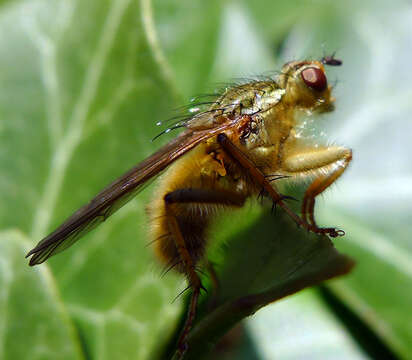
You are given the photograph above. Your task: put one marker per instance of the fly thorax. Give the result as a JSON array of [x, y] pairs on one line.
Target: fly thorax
[[252, 132], [262, 101]]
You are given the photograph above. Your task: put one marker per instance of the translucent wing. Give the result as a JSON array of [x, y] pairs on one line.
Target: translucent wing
[[117, 194]]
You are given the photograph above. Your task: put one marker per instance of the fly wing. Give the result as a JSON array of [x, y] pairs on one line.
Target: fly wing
[[114, 196]]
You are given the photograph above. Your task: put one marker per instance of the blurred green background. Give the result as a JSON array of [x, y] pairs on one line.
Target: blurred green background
[[83, 84]]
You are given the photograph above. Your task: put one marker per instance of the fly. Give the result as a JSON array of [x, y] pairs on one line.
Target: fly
[[245, 140]]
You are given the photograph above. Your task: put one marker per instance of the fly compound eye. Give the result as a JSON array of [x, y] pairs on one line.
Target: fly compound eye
[[314, 78]]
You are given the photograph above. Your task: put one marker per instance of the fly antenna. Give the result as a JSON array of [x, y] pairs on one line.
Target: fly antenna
[[331, 60]]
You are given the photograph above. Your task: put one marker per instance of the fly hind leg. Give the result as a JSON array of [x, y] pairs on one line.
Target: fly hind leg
[[172, 202]]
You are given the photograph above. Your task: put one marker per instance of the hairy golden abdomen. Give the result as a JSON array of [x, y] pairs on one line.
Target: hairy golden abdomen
[[199, 169]]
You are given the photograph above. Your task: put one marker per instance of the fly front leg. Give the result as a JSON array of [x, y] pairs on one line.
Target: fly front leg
[[325, 165], [260, 178], [296, 164], [192, 196]]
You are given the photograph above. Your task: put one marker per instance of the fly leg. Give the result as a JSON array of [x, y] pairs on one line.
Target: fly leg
[[193, 196], [193, 278], [260, 178], [325, 165]]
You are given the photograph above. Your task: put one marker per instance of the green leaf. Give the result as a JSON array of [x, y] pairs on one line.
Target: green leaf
[[190, 49], [84, 91], [267, 261], [301, 327], [83, 84], [371, 202], [34, 323], [383, 308]]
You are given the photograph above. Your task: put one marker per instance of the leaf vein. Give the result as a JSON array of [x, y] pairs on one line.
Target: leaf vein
[[72, 138]]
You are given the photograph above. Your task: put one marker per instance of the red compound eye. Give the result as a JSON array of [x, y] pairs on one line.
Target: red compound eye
[[314, 78]]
